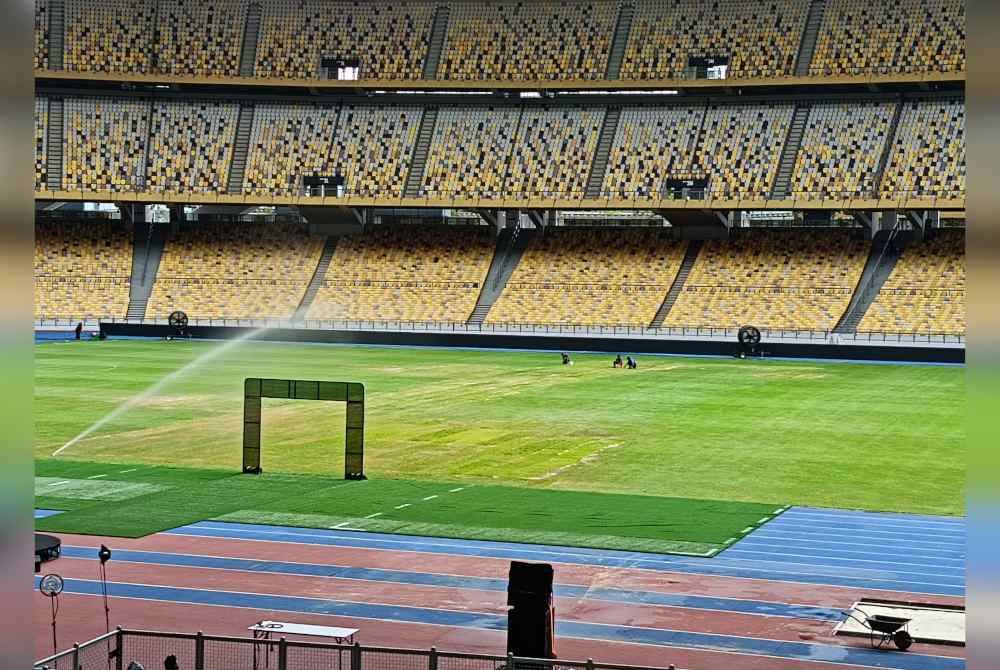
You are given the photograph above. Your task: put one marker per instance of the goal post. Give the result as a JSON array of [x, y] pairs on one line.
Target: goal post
[[352, 393]]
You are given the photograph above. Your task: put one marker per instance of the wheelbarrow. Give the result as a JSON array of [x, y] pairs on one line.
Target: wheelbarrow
[[884, 629]]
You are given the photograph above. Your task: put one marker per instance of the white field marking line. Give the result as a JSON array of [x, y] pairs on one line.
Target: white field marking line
[[775, 531], [404, 505], [344, 526], [721, 562], [460, 488], [429, 497], [96, 476], [918, 522], [372, 516], [780, 550], [122, 472], [764, 534], [888, 562], [634, 566], [829, 566], [833, 530], [764, 520], [420, 572], [65, 481], [746, 530]]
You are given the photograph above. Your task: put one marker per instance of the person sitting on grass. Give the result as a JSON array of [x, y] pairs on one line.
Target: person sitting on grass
[[631, 363], [566, 360], [618, 362]]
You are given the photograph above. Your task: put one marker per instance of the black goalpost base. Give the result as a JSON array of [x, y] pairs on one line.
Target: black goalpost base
[[352, 393]]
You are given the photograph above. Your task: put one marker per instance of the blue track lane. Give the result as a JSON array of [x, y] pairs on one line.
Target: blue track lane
[[800, 651], [44, 513], [876, 565], [734, 605]]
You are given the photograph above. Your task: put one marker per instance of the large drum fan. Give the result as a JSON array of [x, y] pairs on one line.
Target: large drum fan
[[749, 338], [178, 320]]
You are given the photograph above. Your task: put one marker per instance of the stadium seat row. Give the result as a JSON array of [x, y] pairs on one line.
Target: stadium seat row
[[503, 39], [527, 151], [799, 279]]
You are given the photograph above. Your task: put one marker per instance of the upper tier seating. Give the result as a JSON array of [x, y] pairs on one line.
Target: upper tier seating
[[406, 273], [926, 291], [860, 36], [778, 279], [470, 151], [191, 146], [288, 142], [389, 40], [373, 147], [740, 146], [81, 270], [651, 145], [199, 37], [928, 153], [761, 39], [591, 277], [244, 271], [104, 143], [554, 150], [841, 148], [109, 36], [528, 39], [41, 141], [41, 50]]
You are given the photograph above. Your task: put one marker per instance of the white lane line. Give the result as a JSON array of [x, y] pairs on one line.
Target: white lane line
[[887, 563], [747, 530], [65, 481], [791, 526], [764, 520], [96, 476], [123, 472], [774, 531], [460, 488], [372, 516], [402, 506], [429, 497]]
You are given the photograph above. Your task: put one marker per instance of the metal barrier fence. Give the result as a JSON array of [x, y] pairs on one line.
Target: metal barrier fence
[[675, 332], [120, 649]]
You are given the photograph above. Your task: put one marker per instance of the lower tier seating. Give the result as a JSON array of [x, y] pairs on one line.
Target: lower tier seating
[[799, 279], [406, 273], [591, 277], [81, 270], [925, 292], [241, 271]]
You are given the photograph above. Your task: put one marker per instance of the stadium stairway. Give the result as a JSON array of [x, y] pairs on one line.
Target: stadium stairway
[[690, 257], [886, 250], [415, 180], [148, 241], [54, 145], [807, 47], [793, 142], [890, 142], [251, 32], [317, 279], [511, 243], [623, 28], [57, 33], [599, 165], [439, 31], [241, 146]]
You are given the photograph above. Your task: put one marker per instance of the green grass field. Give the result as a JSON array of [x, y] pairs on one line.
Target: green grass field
[[680, 455]]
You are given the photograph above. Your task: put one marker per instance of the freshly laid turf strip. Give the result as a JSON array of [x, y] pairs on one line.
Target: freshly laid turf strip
[[879, 437], [575, 518]]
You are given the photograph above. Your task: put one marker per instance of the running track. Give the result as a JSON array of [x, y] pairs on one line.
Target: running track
[[770, 600]]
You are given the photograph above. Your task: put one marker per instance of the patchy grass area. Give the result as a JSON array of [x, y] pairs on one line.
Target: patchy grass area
[[879, 437]]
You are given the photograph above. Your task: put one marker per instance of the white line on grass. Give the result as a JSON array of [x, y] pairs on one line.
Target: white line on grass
[[96, 476], [65, 481], [122, 472], [747, 530], [460, 488], [402, 506], [372, 516], [430, 497]]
